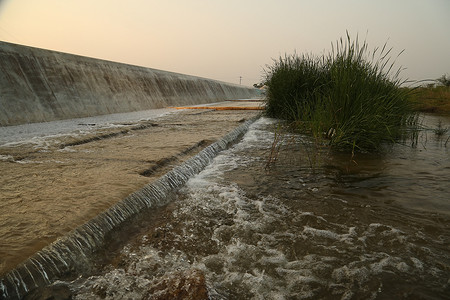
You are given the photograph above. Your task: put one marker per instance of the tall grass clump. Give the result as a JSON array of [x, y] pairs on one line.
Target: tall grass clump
[[293, 82], [348, 97]]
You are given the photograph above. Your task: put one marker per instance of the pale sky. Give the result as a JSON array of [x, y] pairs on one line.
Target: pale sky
[[227, 39]]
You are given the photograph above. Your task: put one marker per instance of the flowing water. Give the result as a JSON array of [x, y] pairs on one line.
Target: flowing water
[[312, 225], [37, 133]]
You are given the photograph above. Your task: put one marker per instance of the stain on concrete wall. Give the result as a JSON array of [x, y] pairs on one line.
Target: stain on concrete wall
[[38, 85]]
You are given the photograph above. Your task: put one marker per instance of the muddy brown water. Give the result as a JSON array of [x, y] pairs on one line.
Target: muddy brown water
[[314, 225], [51, 184]]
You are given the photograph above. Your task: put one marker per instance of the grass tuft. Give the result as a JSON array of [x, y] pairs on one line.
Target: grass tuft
[[348, 98], [440, 130]]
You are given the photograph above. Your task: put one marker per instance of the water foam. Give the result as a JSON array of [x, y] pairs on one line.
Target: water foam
[[74, 251], [263, 246]]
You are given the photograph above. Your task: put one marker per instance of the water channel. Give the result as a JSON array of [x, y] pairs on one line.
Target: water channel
[[312, 225]]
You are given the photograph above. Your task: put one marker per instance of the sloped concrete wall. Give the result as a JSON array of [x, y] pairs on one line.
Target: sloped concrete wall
[[38, 85]]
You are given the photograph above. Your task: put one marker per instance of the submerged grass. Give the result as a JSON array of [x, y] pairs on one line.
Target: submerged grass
[[347, 98], [440, 130]]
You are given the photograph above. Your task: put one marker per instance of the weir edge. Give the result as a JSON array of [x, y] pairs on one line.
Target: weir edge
[[74, 251]]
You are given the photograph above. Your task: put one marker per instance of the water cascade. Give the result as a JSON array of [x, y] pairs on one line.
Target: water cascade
[[336, 230], [74, 252]]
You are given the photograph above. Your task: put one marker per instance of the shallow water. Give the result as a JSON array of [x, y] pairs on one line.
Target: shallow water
[[62, 177], [37, 132], [314, 225]]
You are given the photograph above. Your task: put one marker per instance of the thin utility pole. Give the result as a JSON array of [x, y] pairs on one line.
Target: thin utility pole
[[240, 79]]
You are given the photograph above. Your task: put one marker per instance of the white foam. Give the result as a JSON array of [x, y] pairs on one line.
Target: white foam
[[270, 249], [145, 267], [6, 157], [417, 263], [26, 161]]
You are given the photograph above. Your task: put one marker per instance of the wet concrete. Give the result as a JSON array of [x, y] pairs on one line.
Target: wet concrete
[[50, 188], [40, 85]]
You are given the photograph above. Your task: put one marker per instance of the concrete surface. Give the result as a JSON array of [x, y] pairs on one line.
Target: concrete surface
[[38, 85]]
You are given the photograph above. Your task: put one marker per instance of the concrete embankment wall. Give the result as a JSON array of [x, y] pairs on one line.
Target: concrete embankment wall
[[38, 85]]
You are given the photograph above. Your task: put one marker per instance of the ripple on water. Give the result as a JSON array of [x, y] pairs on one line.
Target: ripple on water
[[261, 242]]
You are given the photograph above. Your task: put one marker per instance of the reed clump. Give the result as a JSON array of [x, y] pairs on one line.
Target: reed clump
[[347, 98]]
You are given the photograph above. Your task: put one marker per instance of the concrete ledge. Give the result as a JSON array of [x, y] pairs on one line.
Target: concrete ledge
[[38, 85], [74, 252]]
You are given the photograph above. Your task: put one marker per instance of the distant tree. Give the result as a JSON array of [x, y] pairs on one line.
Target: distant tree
[[444, 80], [258, 85]]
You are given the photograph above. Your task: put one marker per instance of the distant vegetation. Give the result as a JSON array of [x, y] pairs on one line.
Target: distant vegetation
[[348, 98], [444, 80], [434, 98]]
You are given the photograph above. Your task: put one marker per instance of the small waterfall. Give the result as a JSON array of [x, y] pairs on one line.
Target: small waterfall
[[73, 252]]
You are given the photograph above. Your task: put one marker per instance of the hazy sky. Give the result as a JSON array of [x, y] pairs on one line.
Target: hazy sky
[[227, 39]]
